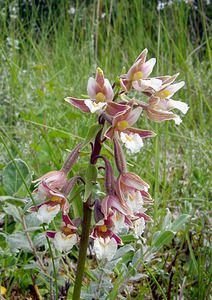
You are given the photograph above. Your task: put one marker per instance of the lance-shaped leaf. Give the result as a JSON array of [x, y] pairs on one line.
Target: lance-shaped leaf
[[92, 132], [90, 181]]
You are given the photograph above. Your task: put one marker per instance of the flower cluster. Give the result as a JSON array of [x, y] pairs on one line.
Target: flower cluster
[[121, 115], [52, 191], [123, 208]]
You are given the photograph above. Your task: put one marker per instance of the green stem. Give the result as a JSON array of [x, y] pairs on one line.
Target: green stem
[[87, 213]]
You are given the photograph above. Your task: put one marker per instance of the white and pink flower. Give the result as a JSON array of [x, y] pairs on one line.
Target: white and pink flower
[[100, 92], [121, 127], [160, 102], [65, 239], [105, 248], [138, 74]]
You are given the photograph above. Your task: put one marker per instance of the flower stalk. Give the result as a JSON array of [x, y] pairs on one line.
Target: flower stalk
[[86, 224]]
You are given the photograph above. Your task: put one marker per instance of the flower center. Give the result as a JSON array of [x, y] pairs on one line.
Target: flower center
[[131, 197], [128, 137], [100, 97], [118, 216], [65, 237], [66, 230], [103, 228], [51, 208], [56, 199], [163, 94], [138, 75], [122, 125]]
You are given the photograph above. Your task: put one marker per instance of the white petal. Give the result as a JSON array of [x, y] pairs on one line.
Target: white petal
[[173, 88], [182, 106], [139, 226], [144, 84], [46, 213], [91, 88], [147, 67], [177, 120], [105, 249], [41, 192], [109, 91], [134, 201], [93, 106], [119, 222], [63, 242], [133, 142]]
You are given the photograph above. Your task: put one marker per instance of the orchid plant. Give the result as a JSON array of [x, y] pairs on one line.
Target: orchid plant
[[122, 208]]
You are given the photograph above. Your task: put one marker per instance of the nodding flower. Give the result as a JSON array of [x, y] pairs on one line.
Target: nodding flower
[[100, 92], [105, 240], [65, 239], [54, 201], [54, 179], [121, 128], [160, 104], [134, 191]]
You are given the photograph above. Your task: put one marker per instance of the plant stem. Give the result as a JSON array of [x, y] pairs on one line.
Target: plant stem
[[86, 223], [32, 245], [87, 213]]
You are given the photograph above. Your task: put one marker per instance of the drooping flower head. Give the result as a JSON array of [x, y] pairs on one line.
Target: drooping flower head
[[131, 137], [160, 104], [134, 191], [65, 239], [54, 179], [54, 201]]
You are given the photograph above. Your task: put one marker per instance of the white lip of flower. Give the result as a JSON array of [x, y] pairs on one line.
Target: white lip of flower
[[64, 242], [143, 84], [139, 226], [133, 142], [46, 213], [119, 222], [93, 106], [134, 201], [177, 120], [182, 106], [105, 249]]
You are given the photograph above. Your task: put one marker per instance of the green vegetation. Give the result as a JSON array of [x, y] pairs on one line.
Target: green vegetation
[[45, 61]]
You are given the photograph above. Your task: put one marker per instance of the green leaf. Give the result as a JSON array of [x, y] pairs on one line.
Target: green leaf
[[32, 220], [40, 240], [76, 201], [162, 239], [128, 238], [12, 199], [92, 133], [167, 220], [13, 211], [12, 182], [17, 241], [124, 250], [90, 181], [178, 223]]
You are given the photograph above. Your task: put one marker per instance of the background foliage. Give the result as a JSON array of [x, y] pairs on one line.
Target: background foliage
[[48, 51]]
